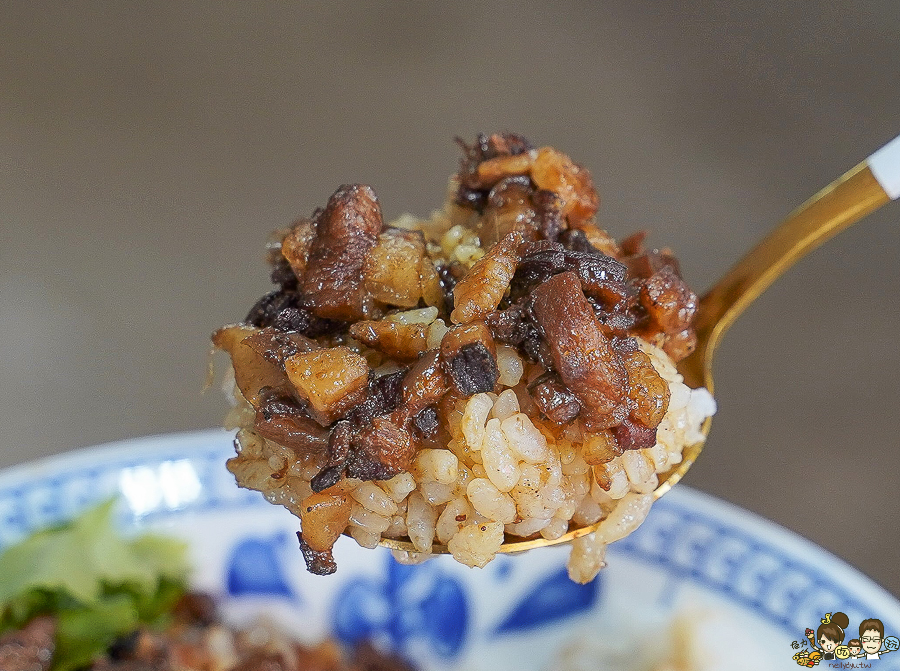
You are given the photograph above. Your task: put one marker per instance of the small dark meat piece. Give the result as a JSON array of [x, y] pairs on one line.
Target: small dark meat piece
[[496, 150], [383, 396], [549, 214], [366, 467], [318, 563], [426, 423], [575, 240], [276, 346], [448, 280], [540, 262], [615, 323], [380, 451], [473, 370], [283, 420], [602, 277], [668, 300], [327, 477], [30, 648], [468, 357], [471, 198], [537, 349], [487, 147], [510, 207], [510, 326], [632, 435], [267, 308], [283, 275], [339, 442], [335, 456], [582, 354], [346, 231], [386, 391], [554, 399], [516, 326], [424, 384], [300, 319], [284, 310]]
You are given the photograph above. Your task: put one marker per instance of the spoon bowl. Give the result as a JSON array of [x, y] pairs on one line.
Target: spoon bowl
[[856, 194]]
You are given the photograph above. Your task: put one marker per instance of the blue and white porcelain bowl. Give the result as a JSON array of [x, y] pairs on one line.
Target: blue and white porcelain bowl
[[741, 591]]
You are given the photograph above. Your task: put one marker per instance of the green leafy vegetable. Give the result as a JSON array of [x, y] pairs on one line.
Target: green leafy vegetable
[[98, 584]]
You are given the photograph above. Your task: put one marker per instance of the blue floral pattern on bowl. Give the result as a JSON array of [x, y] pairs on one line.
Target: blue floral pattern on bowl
[[440, 613], [408, 607]]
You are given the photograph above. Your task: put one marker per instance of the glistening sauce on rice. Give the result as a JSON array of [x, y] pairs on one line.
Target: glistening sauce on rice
[[503, 369]]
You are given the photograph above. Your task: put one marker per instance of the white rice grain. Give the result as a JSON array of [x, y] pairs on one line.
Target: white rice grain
[[555, 529], [397, 528], [524, 439], [439, 465], [420, 521], [506, 405], [490, 501], [435, 333], [374, 498], [364, 537], [474, 417], [411, 558], [435, 492], [528, 527], [423, 316], [639, 470], [510, 366], [577, 466], [500, 465], [455, 515], [588, 512], [586, 559], [567, 451], [366, 519], [625, 518], [399, 486], [477, 544]]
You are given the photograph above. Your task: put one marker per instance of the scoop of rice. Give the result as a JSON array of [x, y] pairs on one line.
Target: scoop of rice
[[504, 472], [538, 447]]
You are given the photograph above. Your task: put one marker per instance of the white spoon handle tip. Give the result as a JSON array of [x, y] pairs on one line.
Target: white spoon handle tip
[[885, 165]]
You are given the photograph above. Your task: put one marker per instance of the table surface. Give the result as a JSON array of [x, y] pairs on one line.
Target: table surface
[[148, 149]]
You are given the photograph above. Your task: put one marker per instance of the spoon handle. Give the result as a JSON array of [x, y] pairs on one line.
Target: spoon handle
[[857, 193]]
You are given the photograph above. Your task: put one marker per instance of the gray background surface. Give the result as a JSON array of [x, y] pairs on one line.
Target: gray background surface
[[146, 150]]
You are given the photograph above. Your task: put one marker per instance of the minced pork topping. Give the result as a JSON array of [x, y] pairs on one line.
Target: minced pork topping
[[367, 360]]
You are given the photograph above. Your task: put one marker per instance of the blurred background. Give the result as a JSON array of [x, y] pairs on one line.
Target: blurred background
[[147, 149]]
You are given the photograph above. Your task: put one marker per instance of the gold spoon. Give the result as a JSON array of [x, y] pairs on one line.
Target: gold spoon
[[854, 195]]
